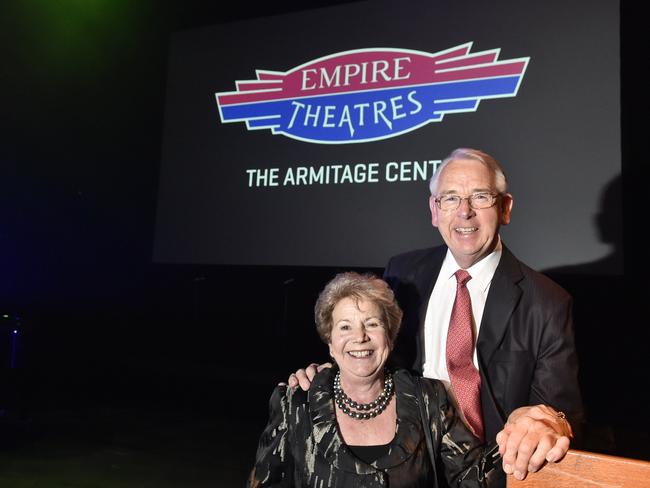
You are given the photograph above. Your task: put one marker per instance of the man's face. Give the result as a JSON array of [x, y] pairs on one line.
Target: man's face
[[470, 234]]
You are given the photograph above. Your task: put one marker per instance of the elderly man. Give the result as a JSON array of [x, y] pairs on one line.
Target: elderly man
[[498, 333]]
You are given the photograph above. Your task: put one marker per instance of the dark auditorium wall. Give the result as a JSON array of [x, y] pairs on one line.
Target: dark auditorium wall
[[81, 103], [82, 88]]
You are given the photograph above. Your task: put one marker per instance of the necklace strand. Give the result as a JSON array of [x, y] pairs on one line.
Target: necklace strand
[[363, 411]]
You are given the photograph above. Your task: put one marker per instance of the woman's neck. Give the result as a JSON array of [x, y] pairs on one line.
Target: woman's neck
[[362, 389]]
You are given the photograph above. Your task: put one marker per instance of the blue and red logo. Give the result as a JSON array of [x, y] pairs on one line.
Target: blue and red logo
[[370, 94]]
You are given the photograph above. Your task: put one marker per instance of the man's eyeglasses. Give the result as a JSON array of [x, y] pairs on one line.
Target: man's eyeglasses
[[477, 201]]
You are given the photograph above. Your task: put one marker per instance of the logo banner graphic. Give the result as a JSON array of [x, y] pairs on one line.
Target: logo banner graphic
[[370, 94]]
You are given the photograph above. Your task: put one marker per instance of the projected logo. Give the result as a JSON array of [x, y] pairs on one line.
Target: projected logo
[[370, 94]]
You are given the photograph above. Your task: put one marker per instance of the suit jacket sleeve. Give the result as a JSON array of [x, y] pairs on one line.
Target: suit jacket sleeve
[[410, 276], [389, 274], [526, 346], [274, 462], [555, 380]]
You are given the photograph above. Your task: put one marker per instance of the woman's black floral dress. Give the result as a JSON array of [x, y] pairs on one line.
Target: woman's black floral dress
[[301, 445]]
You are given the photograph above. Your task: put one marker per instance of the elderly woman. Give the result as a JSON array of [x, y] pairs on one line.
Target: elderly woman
[[361, 425]]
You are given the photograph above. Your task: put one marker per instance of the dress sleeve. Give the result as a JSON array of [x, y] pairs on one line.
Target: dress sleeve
[[274, 464], [461, 455]]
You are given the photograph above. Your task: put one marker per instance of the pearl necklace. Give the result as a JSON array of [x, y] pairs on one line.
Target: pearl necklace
[[363, 411]]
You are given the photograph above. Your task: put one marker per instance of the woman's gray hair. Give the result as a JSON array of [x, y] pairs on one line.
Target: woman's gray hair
[[359, 287], [467, 153]]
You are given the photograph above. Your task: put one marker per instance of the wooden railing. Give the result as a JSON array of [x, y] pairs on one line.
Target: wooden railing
[[588, 469]]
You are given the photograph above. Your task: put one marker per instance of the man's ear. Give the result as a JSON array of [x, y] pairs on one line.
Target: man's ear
[[506, 208], [434, 210]]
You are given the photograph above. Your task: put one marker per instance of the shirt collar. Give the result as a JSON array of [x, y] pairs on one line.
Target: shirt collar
[[481, 271]]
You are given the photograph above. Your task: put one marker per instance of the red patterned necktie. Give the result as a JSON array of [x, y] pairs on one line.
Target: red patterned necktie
[[465, 379]]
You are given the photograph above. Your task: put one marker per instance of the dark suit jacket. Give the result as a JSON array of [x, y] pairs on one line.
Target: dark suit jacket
[[526, 348]]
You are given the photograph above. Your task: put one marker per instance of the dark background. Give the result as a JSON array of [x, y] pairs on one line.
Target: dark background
[[101, 327]]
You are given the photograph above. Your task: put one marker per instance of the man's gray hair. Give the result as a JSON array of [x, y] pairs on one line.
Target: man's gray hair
[[467, 153]]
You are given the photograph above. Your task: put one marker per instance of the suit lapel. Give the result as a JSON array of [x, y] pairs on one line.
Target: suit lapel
[[425, 280], [502, 299], [426, 277]]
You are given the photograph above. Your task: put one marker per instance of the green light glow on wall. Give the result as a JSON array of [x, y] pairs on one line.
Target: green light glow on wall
[[66, 32]]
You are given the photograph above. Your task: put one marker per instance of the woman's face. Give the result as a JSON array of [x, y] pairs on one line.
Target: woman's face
[[359, 341]]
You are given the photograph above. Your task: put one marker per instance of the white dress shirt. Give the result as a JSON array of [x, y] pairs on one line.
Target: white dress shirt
[[441, 302]]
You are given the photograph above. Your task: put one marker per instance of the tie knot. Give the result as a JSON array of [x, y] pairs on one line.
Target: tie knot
[[462, 276]]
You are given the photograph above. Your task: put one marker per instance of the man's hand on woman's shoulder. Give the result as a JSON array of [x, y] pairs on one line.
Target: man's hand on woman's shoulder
[[304, 377]]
